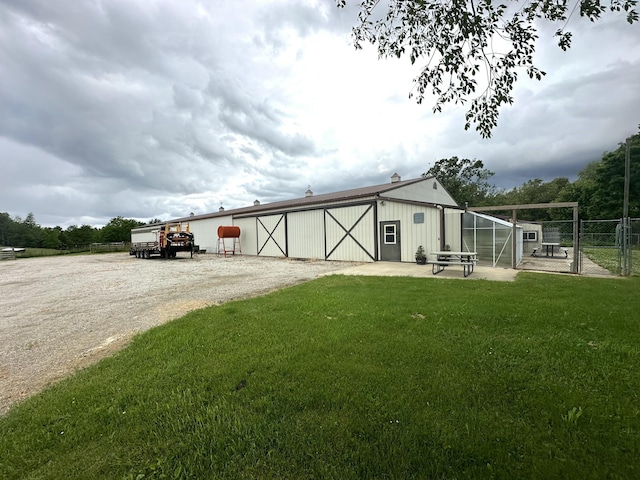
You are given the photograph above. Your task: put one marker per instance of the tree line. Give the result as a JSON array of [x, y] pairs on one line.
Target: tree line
[[17, 232], [599, 188]]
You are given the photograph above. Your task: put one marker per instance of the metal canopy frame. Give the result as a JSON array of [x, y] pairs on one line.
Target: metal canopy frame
[[514, 220]]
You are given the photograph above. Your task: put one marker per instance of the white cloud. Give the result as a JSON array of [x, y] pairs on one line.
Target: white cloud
[[158, 109]]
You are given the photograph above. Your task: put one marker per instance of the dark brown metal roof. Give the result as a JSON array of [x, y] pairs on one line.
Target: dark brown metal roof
[[356, 193]]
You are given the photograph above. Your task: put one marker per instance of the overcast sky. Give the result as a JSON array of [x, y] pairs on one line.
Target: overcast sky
[[158, 108]]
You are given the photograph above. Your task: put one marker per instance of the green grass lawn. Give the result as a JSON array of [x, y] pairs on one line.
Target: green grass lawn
[[608, 258], [356, 377]]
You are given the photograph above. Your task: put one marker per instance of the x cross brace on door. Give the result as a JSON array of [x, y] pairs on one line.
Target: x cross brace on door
[[348, 233], [270, 235]]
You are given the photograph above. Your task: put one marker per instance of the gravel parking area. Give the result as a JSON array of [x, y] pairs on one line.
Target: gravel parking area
[[59, 314]]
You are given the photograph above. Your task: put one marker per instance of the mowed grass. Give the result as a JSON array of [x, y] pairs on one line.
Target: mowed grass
[[356, 377], [608, 258]]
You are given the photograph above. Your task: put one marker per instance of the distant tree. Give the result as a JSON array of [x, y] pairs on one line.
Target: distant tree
[[30, 221], [14, 232], [538, 191], [580, 191], [51, 237], [465, 180], [32, 235], [5, 228], [155, 220], [601, 184], [471, 50], [119, 229], [76, 236]]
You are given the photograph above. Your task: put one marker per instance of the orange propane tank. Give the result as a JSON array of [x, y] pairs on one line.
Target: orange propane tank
[[228, 232]]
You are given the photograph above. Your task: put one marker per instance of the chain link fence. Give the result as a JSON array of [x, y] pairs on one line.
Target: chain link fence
[[607, 246]]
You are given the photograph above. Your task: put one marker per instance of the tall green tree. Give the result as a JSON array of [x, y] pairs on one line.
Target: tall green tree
[[471, 50], [5, 228], [538, 191], [17, 232], [32, 235], [52, 238], [119, 229], [601, 183], [466, 180], [76, 236]]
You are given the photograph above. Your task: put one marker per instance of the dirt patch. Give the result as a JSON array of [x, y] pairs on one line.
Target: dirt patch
[[63, 313]]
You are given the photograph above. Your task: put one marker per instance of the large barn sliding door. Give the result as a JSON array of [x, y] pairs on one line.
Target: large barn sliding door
[[350, 233], [272, 235]]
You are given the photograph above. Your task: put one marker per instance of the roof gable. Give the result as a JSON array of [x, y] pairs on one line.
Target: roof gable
[[355, 193]]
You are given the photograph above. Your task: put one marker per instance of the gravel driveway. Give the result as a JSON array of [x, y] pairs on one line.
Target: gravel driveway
[[58, 314]]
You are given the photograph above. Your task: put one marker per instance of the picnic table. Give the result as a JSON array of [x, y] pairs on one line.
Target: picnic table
[[549, 247], [447, 258]]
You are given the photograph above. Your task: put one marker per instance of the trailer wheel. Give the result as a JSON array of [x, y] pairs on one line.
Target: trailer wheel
[[137, 253], [147, 254], [167, 253]]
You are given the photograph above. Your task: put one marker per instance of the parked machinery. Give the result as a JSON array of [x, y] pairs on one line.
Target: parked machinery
[[165, 241]]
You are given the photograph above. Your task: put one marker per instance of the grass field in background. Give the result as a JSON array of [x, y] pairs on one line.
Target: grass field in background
[[358, 377], [50, 252], [608, 258]]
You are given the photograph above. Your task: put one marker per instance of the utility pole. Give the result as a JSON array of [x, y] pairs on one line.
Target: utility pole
[[626, 224]]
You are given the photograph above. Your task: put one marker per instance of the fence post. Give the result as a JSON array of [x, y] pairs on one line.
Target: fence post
[[626, 247], [576, 242]]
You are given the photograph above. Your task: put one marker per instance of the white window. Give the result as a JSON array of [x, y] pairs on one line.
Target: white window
[[530, 236], [390, 236]]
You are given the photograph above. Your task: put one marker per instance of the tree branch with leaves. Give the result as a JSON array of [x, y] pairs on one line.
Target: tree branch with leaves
[[466, 180], [472, 49]]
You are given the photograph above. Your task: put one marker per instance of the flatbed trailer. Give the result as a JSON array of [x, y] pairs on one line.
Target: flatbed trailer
[[168, 240]]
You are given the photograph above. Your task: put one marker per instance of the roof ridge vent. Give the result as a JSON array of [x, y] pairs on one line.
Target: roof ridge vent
[[395, 178], [308, 193]]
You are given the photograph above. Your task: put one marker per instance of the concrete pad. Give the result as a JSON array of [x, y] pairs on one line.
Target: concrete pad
[[398, 269]]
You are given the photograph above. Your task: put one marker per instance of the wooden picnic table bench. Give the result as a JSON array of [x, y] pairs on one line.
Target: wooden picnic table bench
[[548, 247], [447, 258]]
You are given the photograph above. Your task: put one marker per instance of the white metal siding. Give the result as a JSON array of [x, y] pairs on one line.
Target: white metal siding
[[306, 234], [453, 228], [350, 233], [248, 238], [205, 232], [423, 192], [413, 235]]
